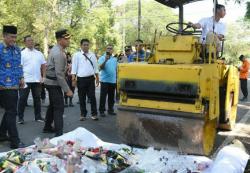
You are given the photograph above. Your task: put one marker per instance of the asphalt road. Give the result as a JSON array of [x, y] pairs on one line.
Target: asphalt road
[[106, 128]]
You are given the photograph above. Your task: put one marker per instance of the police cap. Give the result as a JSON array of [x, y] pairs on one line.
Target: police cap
[[10, 29], [63, 33]]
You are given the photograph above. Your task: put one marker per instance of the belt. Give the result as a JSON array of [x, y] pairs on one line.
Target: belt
[[87, 77], [51, 78], [52, 86]]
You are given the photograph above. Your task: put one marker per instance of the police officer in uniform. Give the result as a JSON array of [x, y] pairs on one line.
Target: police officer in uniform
[[11, 79], [55, 82]]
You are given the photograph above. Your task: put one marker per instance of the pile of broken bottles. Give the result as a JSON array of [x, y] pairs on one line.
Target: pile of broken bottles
[[71, 157], [65, 157]]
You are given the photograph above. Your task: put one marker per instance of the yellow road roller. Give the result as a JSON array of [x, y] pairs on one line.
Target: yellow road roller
[[180, 96]]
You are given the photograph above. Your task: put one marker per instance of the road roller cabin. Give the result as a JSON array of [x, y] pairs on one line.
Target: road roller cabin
[[179, 97]]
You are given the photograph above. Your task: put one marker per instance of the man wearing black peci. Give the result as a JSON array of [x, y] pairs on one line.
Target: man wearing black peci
[[11, 79]]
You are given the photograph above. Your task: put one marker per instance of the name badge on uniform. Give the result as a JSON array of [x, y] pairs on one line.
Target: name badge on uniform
[[7, 65], [8, 79]]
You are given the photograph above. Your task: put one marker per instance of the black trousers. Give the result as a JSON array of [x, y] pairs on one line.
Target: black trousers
[[86, 87], [69, 82], [107, 89], [43, 92], [8, 124], [55, 109], [243, 86], [36, 94]]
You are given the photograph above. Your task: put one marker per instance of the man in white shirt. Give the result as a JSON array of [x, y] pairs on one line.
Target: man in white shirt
[[33, 61], [212, 24], [84, 74]]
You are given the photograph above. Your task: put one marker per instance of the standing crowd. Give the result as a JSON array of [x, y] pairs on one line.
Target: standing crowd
[[22, 71]]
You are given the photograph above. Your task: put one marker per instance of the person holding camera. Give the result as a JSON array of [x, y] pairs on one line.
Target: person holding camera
[[108, 66], [85, 76]]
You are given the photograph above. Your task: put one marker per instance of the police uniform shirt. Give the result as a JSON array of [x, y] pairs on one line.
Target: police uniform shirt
[[11, 69], [56, 68]]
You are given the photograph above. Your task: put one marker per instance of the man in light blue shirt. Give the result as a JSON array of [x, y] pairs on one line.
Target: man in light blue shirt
[[108, 66]]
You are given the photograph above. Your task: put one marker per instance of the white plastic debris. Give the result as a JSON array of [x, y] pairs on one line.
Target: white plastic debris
[[230, 159], [154, 161]]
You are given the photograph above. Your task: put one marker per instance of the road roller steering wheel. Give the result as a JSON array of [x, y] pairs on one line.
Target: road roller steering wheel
[[187, 30]]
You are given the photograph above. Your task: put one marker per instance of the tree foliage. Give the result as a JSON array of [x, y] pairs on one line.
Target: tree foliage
[[154, 16], [96, 20], [237, 40], [247, 15], [92, 19]]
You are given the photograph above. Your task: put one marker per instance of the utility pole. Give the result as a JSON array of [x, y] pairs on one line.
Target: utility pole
[[123, 27], [139, 19]]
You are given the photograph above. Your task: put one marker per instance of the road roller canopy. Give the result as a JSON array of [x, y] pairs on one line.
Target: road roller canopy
[[179, 4], [175, 3]]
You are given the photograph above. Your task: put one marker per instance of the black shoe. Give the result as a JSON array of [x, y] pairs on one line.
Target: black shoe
[[71, 105], [94, 117], [39, 119], [4, 138], [58, 134], [66, 105], [82, 118], [20, 121], [102, 114], [48, 130], [19, 145], [111, 113], [243, 99]]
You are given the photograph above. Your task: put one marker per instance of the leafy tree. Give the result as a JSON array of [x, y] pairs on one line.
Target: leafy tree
[[237, 41], [154, 16], [92, 19], [247, 15]]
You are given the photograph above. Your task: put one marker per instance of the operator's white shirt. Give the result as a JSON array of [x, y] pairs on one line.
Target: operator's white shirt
[[207, 26], [82, 67], [31, 61]]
